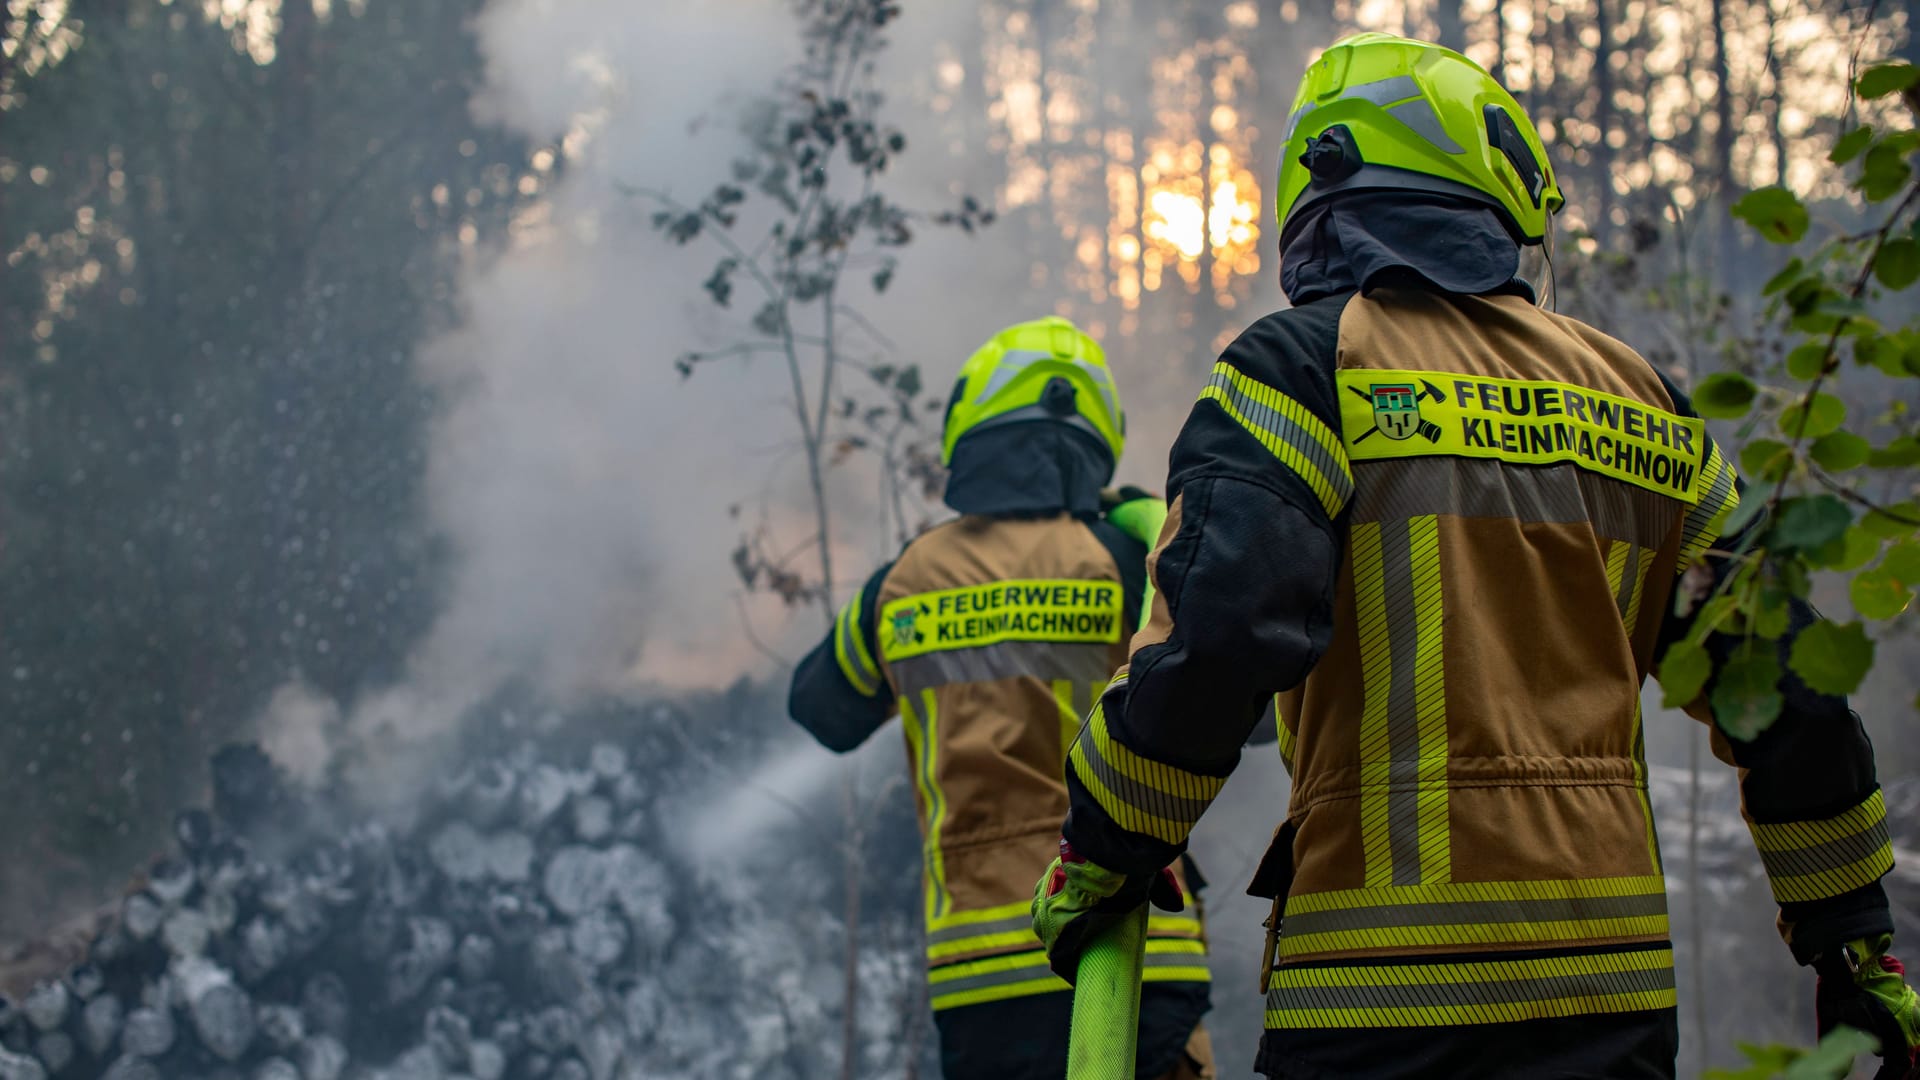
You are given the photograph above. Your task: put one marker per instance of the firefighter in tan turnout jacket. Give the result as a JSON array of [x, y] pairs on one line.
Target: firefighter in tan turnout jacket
[[1444, 527], [990, 636]]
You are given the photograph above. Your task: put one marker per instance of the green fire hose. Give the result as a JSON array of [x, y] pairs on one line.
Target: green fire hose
[[1106, 1002]]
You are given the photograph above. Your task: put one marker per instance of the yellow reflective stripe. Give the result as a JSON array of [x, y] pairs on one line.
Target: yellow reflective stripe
[[1616, 565], [1289, 430], [982, 943], [855, 663], [1174, 947], [1140, 795], [1475, 913], [1455, 892], [992, 979], [859, 635], [1055, 610], [1814, 860], [1284, 738], [1179, 925], [1176, 974], [1069, 717], [1637, 589], [1704, 521], [1430, 700], [980, 915], [1388, 414], [1640, 785], [923, 741], [1370, 613], [1480, 992]]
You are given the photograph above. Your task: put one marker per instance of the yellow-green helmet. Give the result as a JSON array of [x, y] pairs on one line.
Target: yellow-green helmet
[[1379, 112], [1045, 370]]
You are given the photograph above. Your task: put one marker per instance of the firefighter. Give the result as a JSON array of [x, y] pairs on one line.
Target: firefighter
[[1445, 526], [990, 637]]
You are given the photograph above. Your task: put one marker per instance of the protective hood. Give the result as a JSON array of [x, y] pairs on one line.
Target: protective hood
[[1357, 241], [1030, 468]]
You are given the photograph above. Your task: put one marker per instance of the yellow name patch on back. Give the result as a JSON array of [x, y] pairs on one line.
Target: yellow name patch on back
[[1027, 610], [1393, 414]]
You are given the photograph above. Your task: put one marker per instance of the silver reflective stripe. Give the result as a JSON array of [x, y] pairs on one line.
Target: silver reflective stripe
[[980, 929], [1836, 854], [1563, 909], [1419, 116], [1012, 363], [1282, 428], [1589, 984], [1083, 662], [1382, 92], [1393, 489], [1145, 799]]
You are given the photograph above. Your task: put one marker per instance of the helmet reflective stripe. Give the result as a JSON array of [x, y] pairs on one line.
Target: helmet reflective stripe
[[1402, 97], [1007, 381]]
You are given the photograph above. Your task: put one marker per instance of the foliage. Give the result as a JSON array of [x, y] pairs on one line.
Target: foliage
[[1831, 1060], [809, 186], [1828, 489]]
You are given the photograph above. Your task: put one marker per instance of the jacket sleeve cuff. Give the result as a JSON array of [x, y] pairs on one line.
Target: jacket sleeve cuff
[[1817, 926], [1828, 857], [1129, 812]]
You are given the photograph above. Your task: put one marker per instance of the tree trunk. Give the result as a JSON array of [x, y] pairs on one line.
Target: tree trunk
[[1500, 43], [1450, 20], [1775, 98], [1603, 119], [1725, 189]]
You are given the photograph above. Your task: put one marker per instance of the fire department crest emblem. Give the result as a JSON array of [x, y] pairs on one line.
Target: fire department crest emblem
[[1396, 410], [905, 630]]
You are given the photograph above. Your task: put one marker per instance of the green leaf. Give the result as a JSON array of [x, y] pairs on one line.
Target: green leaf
[[1840, 451], [1752, 502], [1859, 548], [1823, 418], [1746, 696], [1901, 452], [1832, 658], [1833, 1058], [1883, 352], [1772, 619], [1886, 79], [1788, 275], [1877, 595], [1851, 145], [1774, 212], [1883, 173], [1892, 522], [1902, 561], [1898, 264], [1724, 395], [1807, 360], [1683, 673], [1809, 522], [1766, 459]]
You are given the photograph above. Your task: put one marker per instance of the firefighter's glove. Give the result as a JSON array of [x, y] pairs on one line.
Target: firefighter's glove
[[1862, 987], [1135, 512], [1075, 901]]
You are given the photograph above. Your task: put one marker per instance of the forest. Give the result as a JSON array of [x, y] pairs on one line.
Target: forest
[[404, 402]]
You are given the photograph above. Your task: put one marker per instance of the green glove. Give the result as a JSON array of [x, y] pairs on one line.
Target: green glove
[[1136, 513], [1863, 987], [1075, 900]]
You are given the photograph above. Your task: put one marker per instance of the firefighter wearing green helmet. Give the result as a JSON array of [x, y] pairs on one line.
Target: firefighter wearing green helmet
[[1442, 529], [989, 637]]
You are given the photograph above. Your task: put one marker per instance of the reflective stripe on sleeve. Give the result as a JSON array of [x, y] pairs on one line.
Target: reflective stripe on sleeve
[[1705, 520], [1289, 430], [1140, 795], [1813, 860], [1478, 992], [850, 648]]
